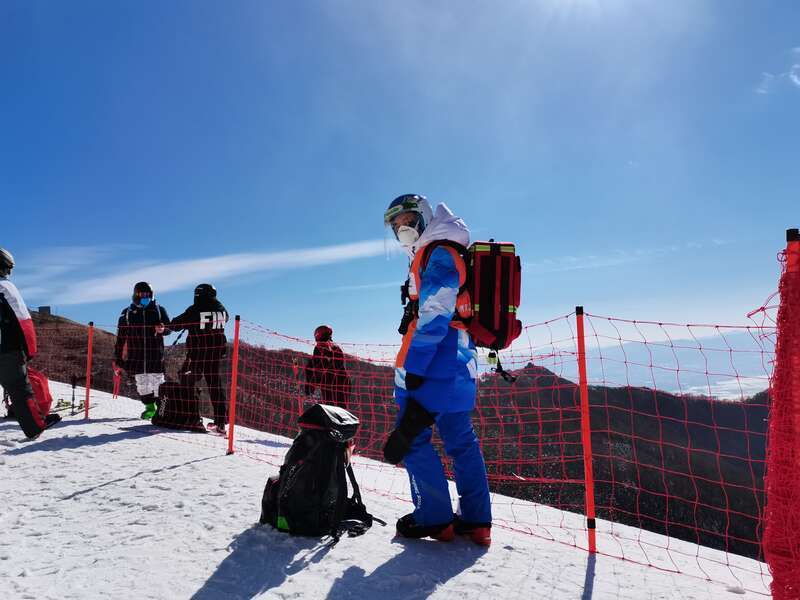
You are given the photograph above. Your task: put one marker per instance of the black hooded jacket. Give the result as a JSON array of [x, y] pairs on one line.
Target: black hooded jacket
[[205, 321], [136, 336]]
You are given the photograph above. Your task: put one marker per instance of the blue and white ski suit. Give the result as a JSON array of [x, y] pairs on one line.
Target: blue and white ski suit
[[446, 357]]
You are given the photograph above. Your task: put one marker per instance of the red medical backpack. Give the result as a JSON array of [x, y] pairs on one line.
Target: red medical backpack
[[489, 297]]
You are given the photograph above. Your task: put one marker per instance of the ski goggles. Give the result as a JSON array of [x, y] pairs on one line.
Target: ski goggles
[[406, 219], [405, 204]]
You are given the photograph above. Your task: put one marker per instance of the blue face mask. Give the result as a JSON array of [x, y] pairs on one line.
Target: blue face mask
[[144, 301]]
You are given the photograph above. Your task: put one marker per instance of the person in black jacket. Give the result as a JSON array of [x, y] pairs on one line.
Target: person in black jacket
[[140, 345], [17, 348], [206, 345], [326, 370]]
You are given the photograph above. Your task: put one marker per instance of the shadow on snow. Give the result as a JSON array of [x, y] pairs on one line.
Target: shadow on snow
[[260, 559], [416, 572], [50, 443], [135, 475]]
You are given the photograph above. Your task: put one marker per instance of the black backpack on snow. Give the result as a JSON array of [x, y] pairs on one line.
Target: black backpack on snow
[[309, 496], [178, 406]]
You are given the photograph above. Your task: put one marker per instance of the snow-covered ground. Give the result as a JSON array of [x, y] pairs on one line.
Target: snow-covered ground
[[116, 508]]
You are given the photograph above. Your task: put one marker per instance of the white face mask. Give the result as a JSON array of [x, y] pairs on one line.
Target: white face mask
[[407, 236]]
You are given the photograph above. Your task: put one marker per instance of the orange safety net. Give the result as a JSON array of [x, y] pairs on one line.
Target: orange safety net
[[782, 531]]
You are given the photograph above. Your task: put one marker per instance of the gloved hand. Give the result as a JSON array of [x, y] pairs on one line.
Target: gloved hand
[[414, 381], [414, 420], [117, 368]]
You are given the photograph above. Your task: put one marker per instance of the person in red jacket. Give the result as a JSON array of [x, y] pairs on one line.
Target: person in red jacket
[[326, 370], [17, 348]]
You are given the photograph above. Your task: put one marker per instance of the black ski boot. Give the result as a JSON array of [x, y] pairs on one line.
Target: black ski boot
[[51, 420], [407, 527]]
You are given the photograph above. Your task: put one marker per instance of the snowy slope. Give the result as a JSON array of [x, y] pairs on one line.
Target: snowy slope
[[114, 507]]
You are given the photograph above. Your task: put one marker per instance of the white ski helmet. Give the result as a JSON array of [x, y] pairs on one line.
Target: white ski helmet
[[408, 232], [6, 262]]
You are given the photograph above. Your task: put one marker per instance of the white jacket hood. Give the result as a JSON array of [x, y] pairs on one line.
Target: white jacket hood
[[444, 226]]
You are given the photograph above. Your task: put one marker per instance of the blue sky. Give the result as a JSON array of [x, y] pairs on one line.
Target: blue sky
[[643, 155]]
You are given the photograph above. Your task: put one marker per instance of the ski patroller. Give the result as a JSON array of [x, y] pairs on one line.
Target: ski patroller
[[437, 367]]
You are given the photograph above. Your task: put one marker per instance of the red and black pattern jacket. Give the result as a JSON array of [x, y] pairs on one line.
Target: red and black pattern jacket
[[326, 368], [17, 333]]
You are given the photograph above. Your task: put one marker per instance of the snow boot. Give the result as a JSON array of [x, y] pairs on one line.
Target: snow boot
[[51, 420], [479, 533], [407, 527], [150, 410], [216, 428]]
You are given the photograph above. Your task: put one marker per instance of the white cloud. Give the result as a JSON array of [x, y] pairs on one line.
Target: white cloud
[[794, 74], [770, 80], [766, 83], [730, 389], [45, 265], [575, 263], [361, 287], [183, 274], [615, 259]]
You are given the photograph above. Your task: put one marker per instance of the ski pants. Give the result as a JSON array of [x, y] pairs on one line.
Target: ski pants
[[429, 488], [209, 370], [337, 395], [14, 380], [147, 385]]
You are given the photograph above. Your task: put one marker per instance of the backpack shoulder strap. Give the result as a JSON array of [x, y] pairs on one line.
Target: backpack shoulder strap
[[356, 519], [356, 490], [460, 250], [429, 248]]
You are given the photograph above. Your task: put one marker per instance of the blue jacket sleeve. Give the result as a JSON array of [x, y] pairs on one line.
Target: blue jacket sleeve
[[437, 303]]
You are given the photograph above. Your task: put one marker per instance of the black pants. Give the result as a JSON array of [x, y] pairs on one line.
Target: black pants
[[14, 379], [209, 370], [338, 396]]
